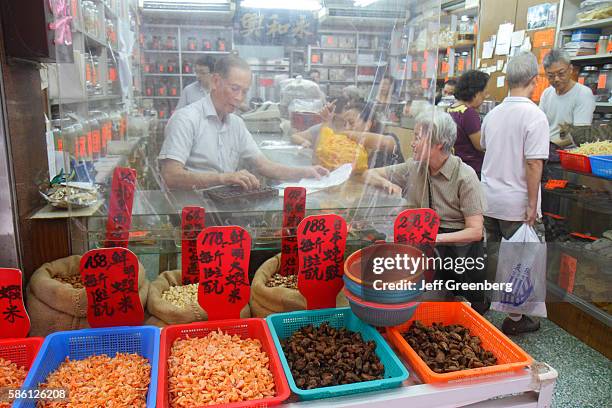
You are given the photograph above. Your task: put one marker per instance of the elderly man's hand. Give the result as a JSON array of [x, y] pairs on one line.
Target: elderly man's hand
[[241, 178], [531, 214], [391, 188], [313, 172]]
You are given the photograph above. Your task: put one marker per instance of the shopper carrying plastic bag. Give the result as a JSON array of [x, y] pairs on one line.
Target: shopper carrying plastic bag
[[522, 263]]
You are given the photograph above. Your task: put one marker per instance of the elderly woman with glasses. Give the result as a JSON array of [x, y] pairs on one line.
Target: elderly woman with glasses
[[565, 101], [437, 179]]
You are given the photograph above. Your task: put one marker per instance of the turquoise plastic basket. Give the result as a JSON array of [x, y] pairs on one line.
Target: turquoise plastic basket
[[283, 325], [80, 344]]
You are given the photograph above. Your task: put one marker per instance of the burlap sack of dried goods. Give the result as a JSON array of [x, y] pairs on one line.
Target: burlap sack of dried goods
[[163, 312], [267, 300], [56, 306]]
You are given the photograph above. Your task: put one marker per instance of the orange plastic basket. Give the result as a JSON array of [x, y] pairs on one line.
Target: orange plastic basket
[[510, 357], [574, 161]]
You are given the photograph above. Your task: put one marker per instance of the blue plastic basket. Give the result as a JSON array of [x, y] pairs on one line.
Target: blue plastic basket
[[80, 344], [283, 325], [601, 165], [380, 296]]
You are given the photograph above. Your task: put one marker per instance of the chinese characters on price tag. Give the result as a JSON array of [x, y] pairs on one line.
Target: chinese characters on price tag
[[294, 209], [418, 227], [567, 272], [192, 225], [110, 277], [120, 207], [554, 184], [15, 322], [223, 256], [321, 245]]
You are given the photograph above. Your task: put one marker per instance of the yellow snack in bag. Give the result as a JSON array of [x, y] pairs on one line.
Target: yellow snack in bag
[[334, 150]]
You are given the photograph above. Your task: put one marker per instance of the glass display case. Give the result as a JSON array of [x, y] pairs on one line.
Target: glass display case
[[110, 108], [578, 229]]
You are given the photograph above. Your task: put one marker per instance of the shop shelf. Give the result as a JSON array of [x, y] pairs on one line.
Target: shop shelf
[[245, 328], [332, 49], [510, 357], [94, 98], [593, 57], [607, 22], [163, 75], [603, 105], [283, 325], [80, 344], [162, 51], [206, 52]]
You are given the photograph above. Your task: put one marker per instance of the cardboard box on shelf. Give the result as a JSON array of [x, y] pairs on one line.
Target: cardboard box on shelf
[[329, 41], [331, 58], [346, 41]]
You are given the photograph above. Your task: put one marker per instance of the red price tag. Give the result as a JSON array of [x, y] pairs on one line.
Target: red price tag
[[322, 241], [415, 66], [223, 255], [554, 184], [110, 277], [120, 207], [567, 272], [15, 322], [192, 225], [418, 227], [294, 210]]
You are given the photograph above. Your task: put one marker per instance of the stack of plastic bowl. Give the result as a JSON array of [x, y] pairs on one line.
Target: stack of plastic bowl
[[383, 293]]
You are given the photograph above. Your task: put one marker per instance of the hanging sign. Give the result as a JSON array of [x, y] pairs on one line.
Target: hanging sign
[[192, 224], [321, 246], [110, 277], [294, 210], [223, 256]]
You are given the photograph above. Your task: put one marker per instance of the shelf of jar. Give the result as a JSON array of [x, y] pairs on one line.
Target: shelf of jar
[[593, 57], [607, 22]]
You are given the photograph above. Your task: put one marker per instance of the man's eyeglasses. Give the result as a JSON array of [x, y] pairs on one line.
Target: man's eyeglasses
[[559, 74]]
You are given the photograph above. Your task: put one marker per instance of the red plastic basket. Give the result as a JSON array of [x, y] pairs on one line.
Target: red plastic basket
[[21, 351], [510, 357], [574, 161], [245, 328]]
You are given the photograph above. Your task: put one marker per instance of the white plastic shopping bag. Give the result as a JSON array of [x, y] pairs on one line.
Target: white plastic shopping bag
[[522, 262]]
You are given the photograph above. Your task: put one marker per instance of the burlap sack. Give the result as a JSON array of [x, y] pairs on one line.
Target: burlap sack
[[265, 300], [57, 306], [163, 313]]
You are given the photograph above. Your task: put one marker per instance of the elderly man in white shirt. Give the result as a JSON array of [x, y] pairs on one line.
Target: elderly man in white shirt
[[201, 86], [207, 145], [515, 138], [565, 101]]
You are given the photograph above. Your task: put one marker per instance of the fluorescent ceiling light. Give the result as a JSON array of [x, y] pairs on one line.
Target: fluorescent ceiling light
[[188, 2], [364, 3], [309, 5]]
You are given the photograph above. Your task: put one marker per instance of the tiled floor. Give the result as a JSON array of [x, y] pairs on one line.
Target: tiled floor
[[585, 375]]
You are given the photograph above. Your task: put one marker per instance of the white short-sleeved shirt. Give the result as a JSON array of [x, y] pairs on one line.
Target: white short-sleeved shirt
[[191, 93], [196, 137], [513, 132], [574, 107]]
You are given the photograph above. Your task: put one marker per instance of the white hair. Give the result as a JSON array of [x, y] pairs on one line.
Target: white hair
[[556, 55], [522, 68], [440, 126]]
